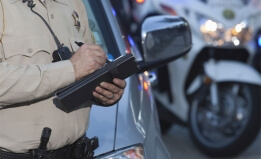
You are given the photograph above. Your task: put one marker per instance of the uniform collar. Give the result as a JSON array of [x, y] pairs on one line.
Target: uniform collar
[[59, 1]]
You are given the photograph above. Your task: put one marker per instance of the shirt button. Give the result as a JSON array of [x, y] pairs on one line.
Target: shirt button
[[30, 50], [52, 16]]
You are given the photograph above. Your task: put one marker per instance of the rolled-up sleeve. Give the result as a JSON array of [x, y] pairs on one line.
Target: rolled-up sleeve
[[30, 82]]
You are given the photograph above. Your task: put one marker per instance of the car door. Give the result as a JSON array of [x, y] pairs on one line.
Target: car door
[[102, 119], [133, 118], [131, 127]]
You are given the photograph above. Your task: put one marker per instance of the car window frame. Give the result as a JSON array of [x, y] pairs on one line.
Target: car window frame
[[105, 26]]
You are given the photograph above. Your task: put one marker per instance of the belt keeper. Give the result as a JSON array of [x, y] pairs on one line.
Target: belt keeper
[[92, 144], [79, 148]]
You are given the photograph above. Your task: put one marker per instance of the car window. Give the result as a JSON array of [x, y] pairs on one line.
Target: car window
[[101, 29]]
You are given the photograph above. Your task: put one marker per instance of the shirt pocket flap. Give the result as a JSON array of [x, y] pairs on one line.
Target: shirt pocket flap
[[26, 46]]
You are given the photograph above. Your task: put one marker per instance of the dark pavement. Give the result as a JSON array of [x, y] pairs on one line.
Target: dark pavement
[[180, 146]]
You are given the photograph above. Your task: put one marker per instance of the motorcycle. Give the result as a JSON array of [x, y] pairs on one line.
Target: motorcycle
[[214, 90]]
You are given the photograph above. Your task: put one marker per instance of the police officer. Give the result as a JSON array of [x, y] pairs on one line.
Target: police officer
[[28, 76]]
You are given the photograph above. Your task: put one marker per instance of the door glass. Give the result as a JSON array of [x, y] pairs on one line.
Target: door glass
[[99, 27]]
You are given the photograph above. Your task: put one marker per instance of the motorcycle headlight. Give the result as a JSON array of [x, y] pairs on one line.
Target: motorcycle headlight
[[134, 152], [239, 34], [215, 33]]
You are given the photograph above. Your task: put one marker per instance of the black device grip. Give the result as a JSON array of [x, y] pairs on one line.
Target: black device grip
[[46, 133], [41, 151]]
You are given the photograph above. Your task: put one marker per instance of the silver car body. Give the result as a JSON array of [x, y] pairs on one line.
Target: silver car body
[[133, 121]]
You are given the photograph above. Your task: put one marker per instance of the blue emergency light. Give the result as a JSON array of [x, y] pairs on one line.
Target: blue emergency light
[[259, 40]]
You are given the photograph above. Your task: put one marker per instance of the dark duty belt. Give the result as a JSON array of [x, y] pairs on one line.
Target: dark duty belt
[[10, 155], [83, 148]]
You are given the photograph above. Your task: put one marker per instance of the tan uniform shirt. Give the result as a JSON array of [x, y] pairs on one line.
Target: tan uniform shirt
[[27, 74]]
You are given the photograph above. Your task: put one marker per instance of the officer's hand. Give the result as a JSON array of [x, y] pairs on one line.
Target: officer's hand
[[108, 93], [87, 59]]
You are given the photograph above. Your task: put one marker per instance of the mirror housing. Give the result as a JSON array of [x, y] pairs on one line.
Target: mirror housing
[[164, 38]]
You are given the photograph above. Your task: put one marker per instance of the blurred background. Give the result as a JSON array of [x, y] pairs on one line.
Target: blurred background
[[180, 145], [208, 100]]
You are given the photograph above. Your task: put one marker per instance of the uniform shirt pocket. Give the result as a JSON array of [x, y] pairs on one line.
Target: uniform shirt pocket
[[26, 47]]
